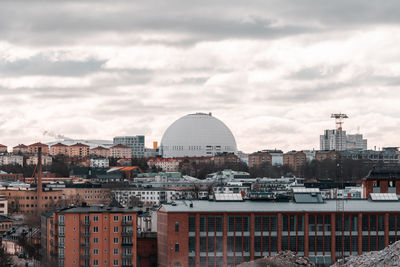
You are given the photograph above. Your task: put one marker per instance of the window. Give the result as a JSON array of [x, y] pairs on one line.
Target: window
[[95, 240], [115, 252], [95, 251], [95, 262], [176, 226], [176, 247], [95, 229], [115, 262], [115, 229], [95, 218], [115, 240], [116, 218]]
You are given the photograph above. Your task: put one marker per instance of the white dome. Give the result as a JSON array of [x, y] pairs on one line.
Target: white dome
[[197, 135]]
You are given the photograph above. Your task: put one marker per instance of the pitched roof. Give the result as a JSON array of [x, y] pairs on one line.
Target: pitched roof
[[79, 144], [2, 145], [38, 144], [99, 148], [58, 144], [21, 146], [120, 146]]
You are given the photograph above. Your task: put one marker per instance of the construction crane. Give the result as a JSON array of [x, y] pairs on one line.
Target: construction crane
[[339, 119]]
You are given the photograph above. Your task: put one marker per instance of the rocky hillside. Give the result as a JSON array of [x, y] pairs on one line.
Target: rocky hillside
[[282, 259]]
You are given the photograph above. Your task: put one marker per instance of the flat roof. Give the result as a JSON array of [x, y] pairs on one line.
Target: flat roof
[[267, 206], [98, 209]]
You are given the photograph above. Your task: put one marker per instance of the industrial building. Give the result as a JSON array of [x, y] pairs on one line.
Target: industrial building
[[232, 231]]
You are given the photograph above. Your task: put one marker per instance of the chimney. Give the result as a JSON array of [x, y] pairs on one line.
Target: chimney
[[155, 145], [39, 178]]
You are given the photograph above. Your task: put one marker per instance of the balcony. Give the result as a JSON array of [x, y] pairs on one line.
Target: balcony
[[127, 244], [86, 256], [125, 256], [126, 233], [86, 234], [126, 265], [127, 222], [85, 245], [86, 223]]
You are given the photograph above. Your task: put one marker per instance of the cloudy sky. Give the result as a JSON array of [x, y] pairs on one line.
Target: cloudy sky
[[273, 71]]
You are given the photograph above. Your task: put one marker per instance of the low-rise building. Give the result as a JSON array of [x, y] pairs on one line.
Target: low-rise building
[[260, 158], [100, 163], [327, 154], [100, 152], [91, 236], [148, 196], [78, 150], [59, 149], [295, 160], [20, 149], [228, 232], [33, 148], [121, 151], [3, 148], [9, 159], [167, 165], [33, 160], [222, 159]]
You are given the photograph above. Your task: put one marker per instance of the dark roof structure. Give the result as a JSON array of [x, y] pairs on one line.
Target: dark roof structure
[[384, 173]]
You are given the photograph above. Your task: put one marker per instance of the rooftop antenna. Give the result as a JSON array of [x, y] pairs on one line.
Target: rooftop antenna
[[339, 119]]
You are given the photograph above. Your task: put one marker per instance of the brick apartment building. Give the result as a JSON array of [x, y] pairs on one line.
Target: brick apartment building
[[222, 159], [222, 233], [20, 149], [34, 148], [121, 151], [59, 150], [3, 148], [259, 158], [295, 160], [100, 151], [327, 154], [78, 150], [90, 236]]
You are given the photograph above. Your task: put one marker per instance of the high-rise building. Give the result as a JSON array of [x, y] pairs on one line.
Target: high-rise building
[[333, 140], [338, 140], [136, 143], [356, 141]]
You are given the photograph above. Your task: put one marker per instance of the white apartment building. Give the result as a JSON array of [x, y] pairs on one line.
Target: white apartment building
[[167, 165], [136, 143], [33, 160], [148, 197], [99, 163], [11, 160], [338, 140]]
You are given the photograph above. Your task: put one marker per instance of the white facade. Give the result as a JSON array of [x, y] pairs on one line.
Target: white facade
[[11, 160], [33, 160], [148, 197], [197, 135], [99, 163], [333, 140], [167, 165], [356, 141], [338, 140]]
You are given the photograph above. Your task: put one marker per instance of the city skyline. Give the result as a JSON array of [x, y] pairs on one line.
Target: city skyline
[[273, 72]]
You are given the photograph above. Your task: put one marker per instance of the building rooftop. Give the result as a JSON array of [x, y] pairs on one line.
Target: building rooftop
[[384, 173], [269, 206], [98, 209]]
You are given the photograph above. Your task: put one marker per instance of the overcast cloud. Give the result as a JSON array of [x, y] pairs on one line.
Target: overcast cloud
[[273, 71]]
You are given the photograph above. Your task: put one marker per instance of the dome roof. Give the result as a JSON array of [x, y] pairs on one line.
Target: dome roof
[[197, 135]]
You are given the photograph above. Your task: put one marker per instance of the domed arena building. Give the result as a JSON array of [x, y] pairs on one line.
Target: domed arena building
[[197, 135]]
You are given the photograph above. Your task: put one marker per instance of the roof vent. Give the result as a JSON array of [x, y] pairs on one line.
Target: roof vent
[[173, 204], [191, 205]]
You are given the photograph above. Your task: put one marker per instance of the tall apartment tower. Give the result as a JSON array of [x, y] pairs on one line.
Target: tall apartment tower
[[333, 140], [136, 143]]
